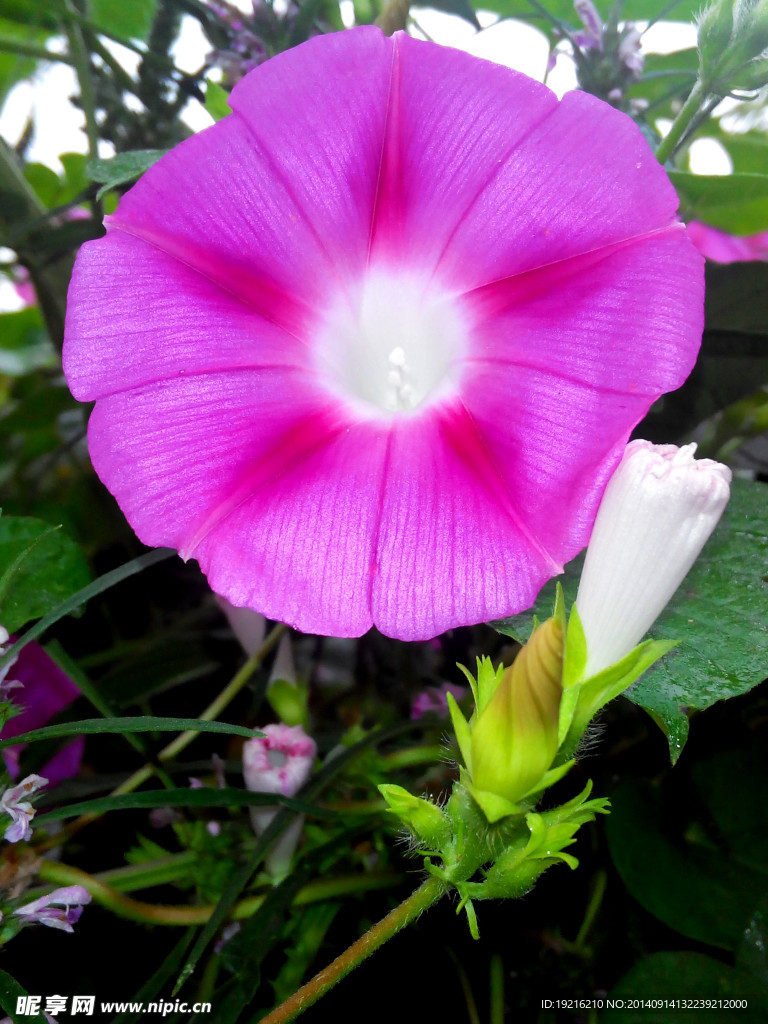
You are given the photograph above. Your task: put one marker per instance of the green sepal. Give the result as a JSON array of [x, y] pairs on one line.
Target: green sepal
[[461, 728], [575, 660], [422, 817], [289, 702], [596, 692], [487, 682], [550, 778], [494, 807]]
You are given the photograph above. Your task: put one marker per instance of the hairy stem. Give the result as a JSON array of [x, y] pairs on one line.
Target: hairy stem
[[402, 915]]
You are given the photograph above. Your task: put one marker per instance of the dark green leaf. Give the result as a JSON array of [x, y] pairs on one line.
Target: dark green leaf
[[93, 726], [71, 604], [694, 889], [205, 797], [737, 203], [737, 302], [39, 567], [24, 343], [152, 989], [131, 19], [752, 953], [10, 991], [684, 975], [462, 8], [123, 168]]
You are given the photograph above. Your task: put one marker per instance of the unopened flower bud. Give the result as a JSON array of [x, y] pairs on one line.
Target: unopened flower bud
[[422, 817], [512, 740], [659, 509]]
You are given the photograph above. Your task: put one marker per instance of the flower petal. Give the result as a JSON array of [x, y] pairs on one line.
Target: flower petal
[[301, 548], [582, 179], [277, 199], [195, 325], [180, 455], [452, 122], [452, 547]]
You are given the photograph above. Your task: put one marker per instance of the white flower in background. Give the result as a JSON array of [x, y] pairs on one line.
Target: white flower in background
[[659, 509], [279, 762]]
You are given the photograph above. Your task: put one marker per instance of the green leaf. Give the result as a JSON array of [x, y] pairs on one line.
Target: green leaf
[[462, 8], [24, 343], [683, 975], [632, 10], [131, 19], [205, 797], [737, 203], [719, 616], [145, 723], [10, 991], [695, 889], [123, 168], [752, 953], [665, 77], [217, 101], [39, 567], [71, 604]]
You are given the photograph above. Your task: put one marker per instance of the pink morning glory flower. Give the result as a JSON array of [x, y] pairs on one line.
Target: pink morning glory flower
[[370, 347], [720, 247], [60, 909]]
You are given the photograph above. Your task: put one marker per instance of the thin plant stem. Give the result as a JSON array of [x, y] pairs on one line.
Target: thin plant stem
[[82, 62], [595, 901], [411, 908], [466, 988], [185, 915], [497, 989], [212, 712], [681, 125], [23, 49]]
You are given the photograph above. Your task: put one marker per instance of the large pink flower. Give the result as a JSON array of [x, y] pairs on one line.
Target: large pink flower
[[370, 348]]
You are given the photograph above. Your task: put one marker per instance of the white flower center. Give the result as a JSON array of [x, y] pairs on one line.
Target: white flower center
[[392, 344]]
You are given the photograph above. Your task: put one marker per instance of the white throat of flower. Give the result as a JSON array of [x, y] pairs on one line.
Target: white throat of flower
[[391, 345]]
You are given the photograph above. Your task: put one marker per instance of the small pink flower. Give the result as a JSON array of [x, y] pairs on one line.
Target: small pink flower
[[720, 247], [60, 909], [435, 699], [279, 762], [370, 347], [21, 812]]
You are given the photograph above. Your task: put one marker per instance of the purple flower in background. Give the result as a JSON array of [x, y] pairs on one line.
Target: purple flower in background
[[47, 690], [13, 802], [375, 361], [435, 699], [60, 909]]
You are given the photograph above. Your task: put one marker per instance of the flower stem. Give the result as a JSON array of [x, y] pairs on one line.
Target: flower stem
[[404, 914], [186, 914], [674, 138], [212, 712]]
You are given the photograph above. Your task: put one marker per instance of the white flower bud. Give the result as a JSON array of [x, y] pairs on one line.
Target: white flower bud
[[658, 511]]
